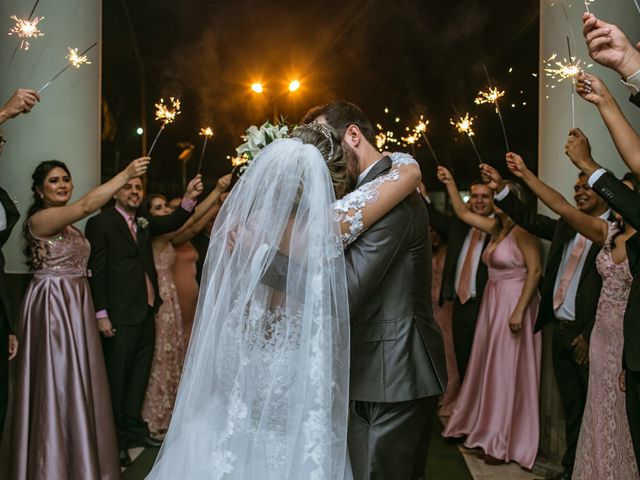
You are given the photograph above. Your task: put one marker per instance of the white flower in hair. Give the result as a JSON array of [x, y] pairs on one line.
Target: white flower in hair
[[255, 139]]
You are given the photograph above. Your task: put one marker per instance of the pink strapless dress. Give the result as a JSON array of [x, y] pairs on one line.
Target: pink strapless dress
[[497, 407]]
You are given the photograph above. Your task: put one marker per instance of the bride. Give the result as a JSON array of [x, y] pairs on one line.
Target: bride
[[264, 391]]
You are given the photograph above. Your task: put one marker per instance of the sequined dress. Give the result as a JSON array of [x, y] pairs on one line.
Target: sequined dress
[[604, 448], [169, 351], [61, 421]]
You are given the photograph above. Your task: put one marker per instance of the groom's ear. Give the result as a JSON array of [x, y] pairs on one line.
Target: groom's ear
[[353, 136]]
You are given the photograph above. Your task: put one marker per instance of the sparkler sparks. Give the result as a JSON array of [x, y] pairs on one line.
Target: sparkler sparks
[[490, 96], [24, 29], [165, 113], [206, 132], [76, 60], [562, 70], [464, 125]]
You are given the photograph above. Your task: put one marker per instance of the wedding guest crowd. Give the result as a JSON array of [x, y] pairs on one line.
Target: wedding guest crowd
[[105, 322]]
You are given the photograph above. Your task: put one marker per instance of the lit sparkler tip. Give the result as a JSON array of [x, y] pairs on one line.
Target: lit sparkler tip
[[464, 124], [206, 132], [561, 70], [76, 60], [165, 113], [238, 161], [490, 96], [25, 29]]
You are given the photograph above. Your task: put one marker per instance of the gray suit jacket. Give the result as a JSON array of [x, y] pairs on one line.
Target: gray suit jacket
[[397, 353]]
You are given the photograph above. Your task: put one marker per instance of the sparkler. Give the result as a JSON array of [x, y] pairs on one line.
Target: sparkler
[[421, 129], [206, 132], [74, 60], [464, 125], [586, 4], [25, 29], [492, 95], [637, 5], [166, 114]]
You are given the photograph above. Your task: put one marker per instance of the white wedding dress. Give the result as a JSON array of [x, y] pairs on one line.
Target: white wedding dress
[[264, 391]]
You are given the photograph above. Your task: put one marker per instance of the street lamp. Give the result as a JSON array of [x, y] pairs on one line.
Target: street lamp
[[140, 131], [257, 87], [294, 85]]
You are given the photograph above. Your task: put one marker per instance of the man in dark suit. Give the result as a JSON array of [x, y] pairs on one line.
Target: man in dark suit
[[125, 293], [464, 251], [397, 354], [569, 291], [624, 201], [22, 101]]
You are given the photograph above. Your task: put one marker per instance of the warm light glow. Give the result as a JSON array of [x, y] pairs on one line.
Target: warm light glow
[[139, 131], [165, 113], [257, 87], [463, 125], [206, 132], [237, 161], [560, 70], [25, 29], [294, 85], [76, 60]]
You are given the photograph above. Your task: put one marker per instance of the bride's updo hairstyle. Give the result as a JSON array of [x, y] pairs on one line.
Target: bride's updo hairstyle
[[327, 141]]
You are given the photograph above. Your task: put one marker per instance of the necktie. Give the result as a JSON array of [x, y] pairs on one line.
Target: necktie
[[151, 296], [464, 283], [569, 271]]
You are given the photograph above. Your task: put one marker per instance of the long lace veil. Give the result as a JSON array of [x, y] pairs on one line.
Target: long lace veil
[[264, 390]]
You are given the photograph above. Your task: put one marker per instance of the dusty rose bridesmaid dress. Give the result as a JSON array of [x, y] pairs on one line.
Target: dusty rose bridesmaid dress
[[184, 276], [61, 424], [497, 407]]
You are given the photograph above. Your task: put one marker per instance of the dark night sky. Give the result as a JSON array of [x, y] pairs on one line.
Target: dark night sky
[[415, 57]]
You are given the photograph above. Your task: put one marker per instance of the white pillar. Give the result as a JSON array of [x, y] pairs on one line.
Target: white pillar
[[556, 169], [65, 125]]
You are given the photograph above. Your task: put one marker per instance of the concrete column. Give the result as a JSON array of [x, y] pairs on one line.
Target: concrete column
[[65, 125], [554, 166]]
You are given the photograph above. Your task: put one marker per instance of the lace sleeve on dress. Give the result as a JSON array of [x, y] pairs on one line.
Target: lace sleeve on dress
[[348, 210]]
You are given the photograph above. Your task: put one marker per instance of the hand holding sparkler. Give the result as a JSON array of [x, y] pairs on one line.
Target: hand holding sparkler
[[194, 188], [444, 175], [137, 168], [578, 148], [223, 183], [592, 89], [491, 177], [516, 165], [609, 46], [22, 101]]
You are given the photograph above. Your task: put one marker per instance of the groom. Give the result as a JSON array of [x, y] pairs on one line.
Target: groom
[[397, 355]]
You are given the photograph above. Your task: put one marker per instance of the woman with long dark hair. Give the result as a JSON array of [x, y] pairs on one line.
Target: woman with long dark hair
[[62, 423]]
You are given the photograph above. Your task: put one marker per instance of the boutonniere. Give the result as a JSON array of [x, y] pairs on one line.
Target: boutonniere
[[142, 222]]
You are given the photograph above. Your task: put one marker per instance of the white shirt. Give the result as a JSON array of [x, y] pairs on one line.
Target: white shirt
[[3, 218], [633, 83], [364, 174], [477, 254]]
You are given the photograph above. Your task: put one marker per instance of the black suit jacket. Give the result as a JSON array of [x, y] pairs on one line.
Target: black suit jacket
[[625, 201], [5, 302], [635, 99], [453, 232], [118, 263], [397, 353], [559, 233]]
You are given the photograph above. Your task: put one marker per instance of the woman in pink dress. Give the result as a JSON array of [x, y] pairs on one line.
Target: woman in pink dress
[[443, 315], [170, 341], [497, 407], [61, 424], [605, 449]]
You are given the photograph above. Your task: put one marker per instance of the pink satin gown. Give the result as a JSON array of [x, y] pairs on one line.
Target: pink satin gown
[[184, 276], [497, 407], [61, 425]]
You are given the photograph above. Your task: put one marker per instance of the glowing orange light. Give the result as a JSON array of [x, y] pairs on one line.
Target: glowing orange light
[[257, 87], [294, 85]]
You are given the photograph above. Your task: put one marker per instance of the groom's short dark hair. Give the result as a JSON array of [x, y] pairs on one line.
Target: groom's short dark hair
[[340, 115]]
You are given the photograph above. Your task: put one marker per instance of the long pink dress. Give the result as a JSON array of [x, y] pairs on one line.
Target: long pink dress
[[497, 407], [169, 351], [604, 447], [443, 315], [184, 276], [61, 425]]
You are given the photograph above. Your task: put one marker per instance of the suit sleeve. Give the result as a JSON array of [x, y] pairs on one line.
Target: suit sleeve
[[621, 198], [369, 257], [98, 261], [536, 224], [440, 222], [168, 223]]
